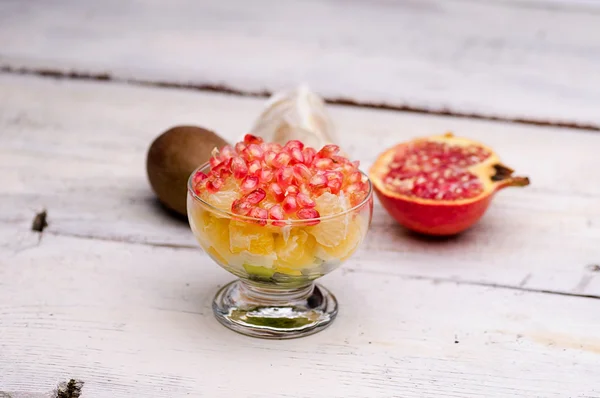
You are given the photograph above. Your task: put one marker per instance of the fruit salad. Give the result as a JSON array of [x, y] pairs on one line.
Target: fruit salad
[[278, 214]]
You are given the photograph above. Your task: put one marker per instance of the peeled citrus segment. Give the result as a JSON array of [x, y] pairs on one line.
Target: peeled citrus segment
[[348, 245], [213, 233], [223, 198], [296, 252], [331, 232], [251, 238]]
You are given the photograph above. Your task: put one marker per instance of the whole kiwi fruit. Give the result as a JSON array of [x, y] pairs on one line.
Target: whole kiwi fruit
[[173, 156]]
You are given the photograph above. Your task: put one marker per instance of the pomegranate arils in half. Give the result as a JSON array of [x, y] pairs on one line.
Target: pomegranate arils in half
[[309, 214], [256, 196], [436, 170]]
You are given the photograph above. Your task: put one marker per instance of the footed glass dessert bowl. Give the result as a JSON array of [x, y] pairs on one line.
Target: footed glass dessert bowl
[[278, 223]]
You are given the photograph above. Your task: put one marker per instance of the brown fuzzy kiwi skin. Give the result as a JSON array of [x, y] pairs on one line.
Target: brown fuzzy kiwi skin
[[173, 156]]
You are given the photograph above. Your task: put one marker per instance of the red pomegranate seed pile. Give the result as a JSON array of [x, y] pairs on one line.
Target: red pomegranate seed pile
[[436, 170], [281, 182]]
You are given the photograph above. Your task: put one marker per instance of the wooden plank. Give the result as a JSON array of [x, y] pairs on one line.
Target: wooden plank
[[492, 58], [135, 320], [92, 181]]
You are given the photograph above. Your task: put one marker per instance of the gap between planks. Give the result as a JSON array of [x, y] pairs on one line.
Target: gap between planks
[[225, 89], [435, 280]]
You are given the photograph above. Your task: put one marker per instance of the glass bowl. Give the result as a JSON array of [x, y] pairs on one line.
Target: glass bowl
[[276, 295]]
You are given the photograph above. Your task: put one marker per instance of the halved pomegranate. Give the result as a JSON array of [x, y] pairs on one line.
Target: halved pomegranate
[[439, 185]]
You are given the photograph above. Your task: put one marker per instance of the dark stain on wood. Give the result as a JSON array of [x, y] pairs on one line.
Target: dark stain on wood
[[40, 221], [224, 89], [70, 389]]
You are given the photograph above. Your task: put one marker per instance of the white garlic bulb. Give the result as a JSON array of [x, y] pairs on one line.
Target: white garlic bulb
[[298, 114]]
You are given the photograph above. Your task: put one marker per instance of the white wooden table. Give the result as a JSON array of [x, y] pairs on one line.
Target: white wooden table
[[117, 294]]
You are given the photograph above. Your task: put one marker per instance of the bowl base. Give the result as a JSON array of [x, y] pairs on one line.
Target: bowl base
[[264, 312]]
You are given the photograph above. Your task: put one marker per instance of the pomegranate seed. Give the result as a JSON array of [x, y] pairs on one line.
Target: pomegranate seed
[[302, 172], [276, 191], [239, 168], [254, 167], [318, 181], [292, 190], [241, 207], [252, 139], [227, 152], [304, 200], [334, 186], [281, 160], [297, 155], [340, 160], [309, 155], [328, 151], [256, 196], [309, 214], [285, 176], [356, 163], [199, 177], [334, 175], [224, 168], [268, 158], [214, 185], [276, 214], [323, 163], [249, 183], [289, 204], [240, 147], [265, 176], [293, 144], [214, 161], [304, 189], [353, 188], [348, 168], [254, 152], [260, 214], [355, 176]]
